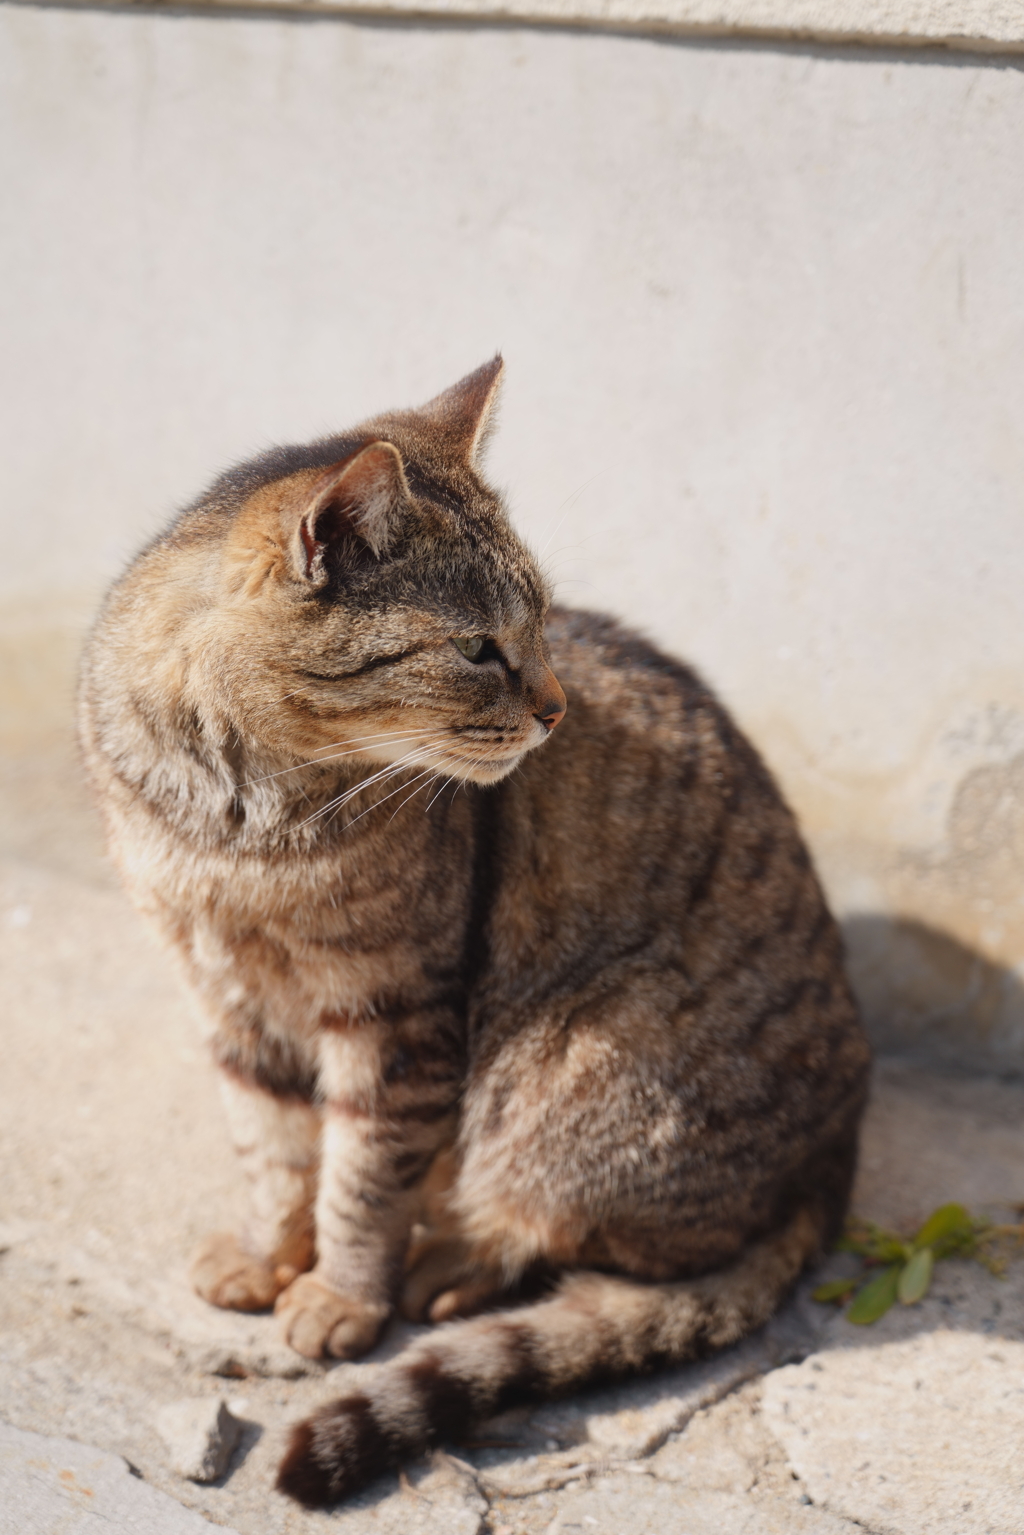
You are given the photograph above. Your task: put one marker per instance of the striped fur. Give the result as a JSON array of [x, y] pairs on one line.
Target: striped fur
[[586, 971], [595, 1328]]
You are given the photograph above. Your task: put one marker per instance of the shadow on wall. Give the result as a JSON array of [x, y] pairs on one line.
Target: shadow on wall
[[926, 994]]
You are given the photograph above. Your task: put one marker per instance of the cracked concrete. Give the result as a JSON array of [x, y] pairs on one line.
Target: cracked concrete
[[115, 1161], [67, 1488], [889, 1435]]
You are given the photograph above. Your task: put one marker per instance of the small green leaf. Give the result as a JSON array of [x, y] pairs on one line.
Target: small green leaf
[[874, 1244], [888, 1250], [875, 1298], [945, 1223], [836, 1289], [916, 1277]]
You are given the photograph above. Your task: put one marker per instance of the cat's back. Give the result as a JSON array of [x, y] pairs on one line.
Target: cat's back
[[647, 764], [650, 720], [649, 832], [607, 665]]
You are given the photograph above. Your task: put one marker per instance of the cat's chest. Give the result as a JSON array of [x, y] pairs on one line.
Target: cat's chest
[[292, 943], [297, 975]]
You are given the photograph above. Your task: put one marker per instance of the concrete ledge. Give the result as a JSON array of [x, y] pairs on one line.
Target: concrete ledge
[[988, 26]]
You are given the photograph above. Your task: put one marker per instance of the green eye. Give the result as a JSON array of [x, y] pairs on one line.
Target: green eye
[[471, 646]]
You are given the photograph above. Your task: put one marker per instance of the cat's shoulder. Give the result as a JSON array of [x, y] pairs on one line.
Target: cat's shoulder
[[612, 674], [595, 654]]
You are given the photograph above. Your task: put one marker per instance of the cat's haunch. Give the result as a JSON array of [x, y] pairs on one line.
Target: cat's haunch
[[518, 976]]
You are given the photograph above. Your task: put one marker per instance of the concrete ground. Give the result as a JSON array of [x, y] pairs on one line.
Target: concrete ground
[[115, 1161]]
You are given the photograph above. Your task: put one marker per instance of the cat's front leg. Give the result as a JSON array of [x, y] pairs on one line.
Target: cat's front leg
[[276, 1135], [390, 1093]]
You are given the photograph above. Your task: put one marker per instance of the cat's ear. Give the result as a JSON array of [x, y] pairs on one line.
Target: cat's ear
[[358, 501], [464, 411]]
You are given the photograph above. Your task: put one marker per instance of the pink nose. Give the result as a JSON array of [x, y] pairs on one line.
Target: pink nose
[[551, 712]]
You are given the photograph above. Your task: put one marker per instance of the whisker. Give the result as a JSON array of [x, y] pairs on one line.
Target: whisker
[[331, 808], [444, 784], [381, 736], [342, 799], [338, 805], [429, 772], [392, 771], [568, 504], [428, 778], [351, 745], [395, 770], [375, 735]]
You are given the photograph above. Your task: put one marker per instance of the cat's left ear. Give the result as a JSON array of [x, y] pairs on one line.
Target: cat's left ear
[[358, 501], [465, 412]]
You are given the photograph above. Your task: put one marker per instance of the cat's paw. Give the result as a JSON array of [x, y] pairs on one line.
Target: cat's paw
[[445, 1279], [224, 1274], [315, 1320]]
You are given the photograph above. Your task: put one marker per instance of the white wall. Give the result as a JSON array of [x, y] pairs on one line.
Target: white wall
[[763, 313]]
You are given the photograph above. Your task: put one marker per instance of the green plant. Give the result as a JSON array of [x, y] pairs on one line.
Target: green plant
[[896, 1268]]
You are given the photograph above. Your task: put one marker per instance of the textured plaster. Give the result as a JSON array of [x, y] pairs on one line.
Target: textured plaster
[[982, 25]]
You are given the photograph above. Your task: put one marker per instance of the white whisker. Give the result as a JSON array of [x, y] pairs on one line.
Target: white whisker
[[392, 771], [374, 736], [568, 504], [428, 778], [336, 804], [444, 784], [429, 772], [382, 737]]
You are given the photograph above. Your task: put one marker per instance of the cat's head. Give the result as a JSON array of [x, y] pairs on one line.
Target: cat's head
[[374, 596]]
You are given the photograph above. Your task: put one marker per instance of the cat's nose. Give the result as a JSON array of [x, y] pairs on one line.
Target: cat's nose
[[552, 710], [552, 718]]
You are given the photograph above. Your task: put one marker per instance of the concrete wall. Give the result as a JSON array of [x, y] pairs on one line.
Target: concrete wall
[[764, 320]]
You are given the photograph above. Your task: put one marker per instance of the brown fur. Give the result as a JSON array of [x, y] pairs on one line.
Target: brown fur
[[581, 1008]]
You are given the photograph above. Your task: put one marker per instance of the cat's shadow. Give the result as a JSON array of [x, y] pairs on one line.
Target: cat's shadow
[[927, 995]]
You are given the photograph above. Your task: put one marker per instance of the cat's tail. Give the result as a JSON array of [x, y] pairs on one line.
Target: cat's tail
[[594, 1327]]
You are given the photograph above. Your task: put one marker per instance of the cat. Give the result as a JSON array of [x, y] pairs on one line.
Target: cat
[[502, 928]]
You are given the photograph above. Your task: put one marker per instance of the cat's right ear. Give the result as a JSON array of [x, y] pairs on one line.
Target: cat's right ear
[[356, 503], [464, 414]]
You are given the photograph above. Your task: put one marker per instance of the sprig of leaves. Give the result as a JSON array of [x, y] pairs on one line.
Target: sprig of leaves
[[898, 1268]]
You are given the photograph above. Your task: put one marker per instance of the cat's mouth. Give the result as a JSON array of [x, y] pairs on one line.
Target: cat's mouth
[[474, 753], [483, 769], [486, 754]]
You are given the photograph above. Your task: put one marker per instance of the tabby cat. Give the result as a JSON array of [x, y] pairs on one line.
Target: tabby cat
[[507, 985]]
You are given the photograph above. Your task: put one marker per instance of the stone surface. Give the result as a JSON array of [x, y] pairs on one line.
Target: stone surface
[[445, 1499], [920, 1437], [723, 1450], [59, 1487], [200, 1435], [638, 1504], [932, 1136]]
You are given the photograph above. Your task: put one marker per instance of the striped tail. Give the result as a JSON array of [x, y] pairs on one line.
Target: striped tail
[[595, 1327]]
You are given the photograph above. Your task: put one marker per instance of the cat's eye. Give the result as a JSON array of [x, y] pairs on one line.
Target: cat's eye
[[471, 646]]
